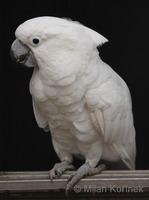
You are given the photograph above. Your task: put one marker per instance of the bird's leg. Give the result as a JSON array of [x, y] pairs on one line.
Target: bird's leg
[[59, 169], [83, 171]]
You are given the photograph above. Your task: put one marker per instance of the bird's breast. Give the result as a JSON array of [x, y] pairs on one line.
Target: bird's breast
[[64, 108]]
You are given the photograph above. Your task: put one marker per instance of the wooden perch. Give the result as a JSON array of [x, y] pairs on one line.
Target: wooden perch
[[107, 183]]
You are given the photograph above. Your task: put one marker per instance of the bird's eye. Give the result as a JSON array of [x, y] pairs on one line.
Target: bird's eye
[[35, 41]]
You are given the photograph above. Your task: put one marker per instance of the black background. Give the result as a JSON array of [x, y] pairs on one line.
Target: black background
[[23, 146]]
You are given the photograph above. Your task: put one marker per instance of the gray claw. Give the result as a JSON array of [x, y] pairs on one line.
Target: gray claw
[[83, 171], [59, 169], [52, 175]]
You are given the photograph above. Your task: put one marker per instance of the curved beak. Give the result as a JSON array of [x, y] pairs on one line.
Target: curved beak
[[22, 54]]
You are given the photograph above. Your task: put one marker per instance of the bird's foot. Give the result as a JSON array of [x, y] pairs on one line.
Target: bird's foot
[[84, 170], [59, 169]]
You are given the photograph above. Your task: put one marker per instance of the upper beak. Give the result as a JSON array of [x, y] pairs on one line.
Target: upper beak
[[22, 54]]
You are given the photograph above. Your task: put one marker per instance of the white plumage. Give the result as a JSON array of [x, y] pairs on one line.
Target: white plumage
[[79, 98]]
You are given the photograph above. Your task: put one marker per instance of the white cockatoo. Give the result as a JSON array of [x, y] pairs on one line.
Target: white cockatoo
[[81, 100]]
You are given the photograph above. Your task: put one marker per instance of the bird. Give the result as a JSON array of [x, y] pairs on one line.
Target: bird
[[84, 104]]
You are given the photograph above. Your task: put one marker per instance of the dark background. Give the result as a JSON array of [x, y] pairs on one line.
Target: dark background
[[23, 146]]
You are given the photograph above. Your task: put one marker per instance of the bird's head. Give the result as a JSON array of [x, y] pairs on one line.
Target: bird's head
[[51, 41]]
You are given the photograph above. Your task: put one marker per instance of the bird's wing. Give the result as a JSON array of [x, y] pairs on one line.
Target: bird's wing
[[41, 120], [112, 116]]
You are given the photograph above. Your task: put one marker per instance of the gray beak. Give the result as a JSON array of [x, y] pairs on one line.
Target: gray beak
[[22, 54]]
